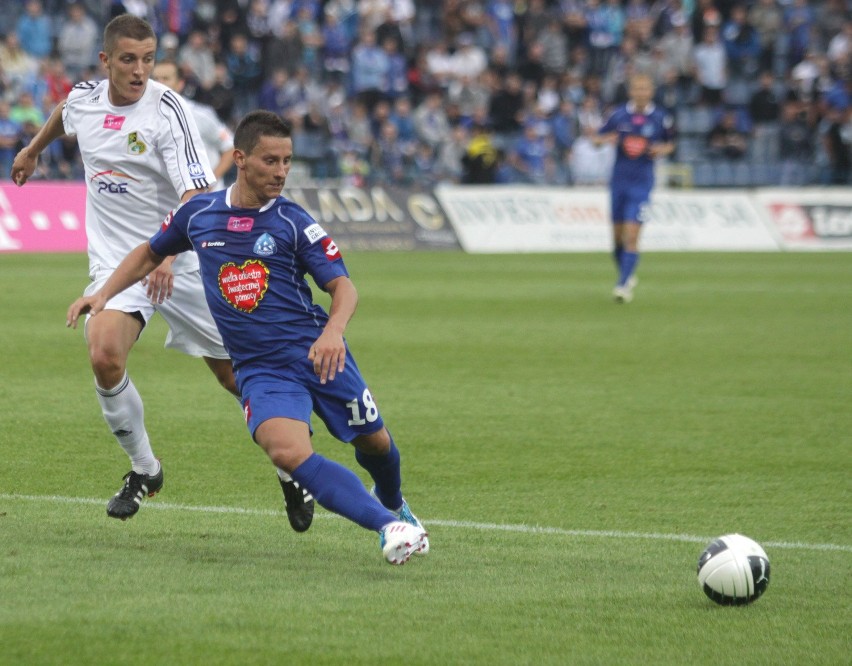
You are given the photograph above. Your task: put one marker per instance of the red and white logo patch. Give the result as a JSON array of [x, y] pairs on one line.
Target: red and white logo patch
[[332, 252], [247, 410], [244, 286], [112, 122], [168, 220]]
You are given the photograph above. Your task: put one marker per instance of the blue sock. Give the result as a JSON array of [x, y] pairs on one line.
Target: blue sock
[[385, 472], [616, 255], [629, 261], [341, 491]]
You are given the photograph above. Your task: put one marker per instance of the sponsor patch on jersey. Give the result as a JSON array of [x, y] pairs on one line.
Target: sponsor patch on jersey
[[240, 223], [168, 220], [212, 244], [634, 146], [244, 286], [135, 144], [314, 233], [332, 252], [195, 170], [112, 122], [265, 245]]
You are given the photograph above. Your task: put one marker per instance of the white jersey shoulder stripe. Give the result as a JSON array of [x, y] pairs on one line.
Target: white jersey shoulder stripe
[[170, 101]]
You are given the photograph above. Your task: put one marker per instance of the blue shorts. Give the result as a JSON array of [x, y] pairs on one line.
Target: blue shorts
[[626, 202], [345, 405]]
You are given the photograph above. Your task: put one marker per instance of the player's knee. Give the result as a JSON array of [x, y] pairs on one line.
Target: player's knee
[[108, 369], [374, 444]]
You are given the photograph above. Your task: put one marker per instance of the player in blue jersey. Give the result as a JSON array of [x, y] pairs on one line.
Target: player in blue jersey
[[641, 132], [290, 357]]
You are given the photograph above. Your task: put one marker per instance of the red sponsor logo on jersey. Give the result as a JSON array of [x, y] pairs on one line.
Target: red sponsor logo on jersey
[[240, 223], [112, 122], [168, 220], [634, 146], [332, 252], [244, 286]]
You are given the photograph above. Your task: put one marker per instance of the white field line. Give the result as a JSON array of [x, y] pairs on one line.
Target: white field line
[[462, 524]]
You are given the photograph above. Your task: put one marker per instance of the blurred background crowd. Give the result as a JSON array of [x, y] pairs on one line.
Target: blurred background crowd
[[418, 92]]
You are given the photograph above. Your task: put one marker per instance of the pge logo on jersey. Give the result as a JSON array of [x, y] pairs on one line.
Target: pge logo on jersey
[[112, 182]]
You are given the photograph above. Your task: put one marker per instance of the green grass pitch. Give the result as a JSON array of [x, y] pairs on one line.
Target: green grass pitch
[[569, 456]]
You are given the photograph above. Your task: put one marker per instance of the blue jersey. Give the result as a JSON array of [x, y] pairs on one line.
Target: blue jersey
[[636, 133], [253, 264]]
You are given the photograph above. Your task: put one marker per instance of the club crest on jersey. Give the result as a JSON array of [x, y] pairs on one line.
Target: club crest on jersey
[[332, 252], [112, 122], [244, 286], [135, 145], [265, 245]]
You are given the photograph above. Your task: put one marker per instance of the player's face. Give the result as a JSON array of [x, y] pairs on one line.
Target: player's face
[[267, 166], [166, 73], [641, 91], [128, 67]]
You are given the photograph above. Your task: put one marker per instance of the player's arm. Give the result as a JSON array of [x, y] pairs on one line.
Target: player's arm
[[328, 353], [608, 137], [25, 161], [662, 149], [135, 266]]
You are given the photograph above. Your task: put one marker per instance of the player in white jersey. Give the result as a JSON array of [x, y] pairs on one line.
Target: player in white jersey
[[142, 153], [217, 137]]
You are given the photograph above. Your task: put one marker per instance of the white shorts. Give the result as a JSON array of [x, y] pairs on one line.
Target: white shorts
[[191, 328]]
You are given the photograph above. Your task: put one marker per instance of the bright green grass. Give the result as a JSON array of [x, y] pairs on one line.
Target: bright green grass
[[520, 395]]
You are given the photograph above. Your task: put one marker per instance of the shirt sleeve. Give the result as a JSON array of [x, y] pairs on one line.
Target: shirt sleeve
[[182, 148], [172, 237], [317, 252]]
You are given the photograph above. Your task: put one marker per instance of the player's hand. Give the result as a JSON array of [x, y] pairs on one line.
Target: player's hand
[[84, 305], [160, 283], [328, 355], [23, 167]]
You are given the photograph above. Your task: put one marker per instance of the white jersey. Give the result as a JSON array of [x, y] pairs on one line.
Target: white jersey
[[217, 137], [139, 160]]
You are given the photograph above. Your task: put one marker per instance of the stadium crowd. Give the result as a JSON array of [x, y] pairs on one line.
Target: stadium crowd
[[417, 92]]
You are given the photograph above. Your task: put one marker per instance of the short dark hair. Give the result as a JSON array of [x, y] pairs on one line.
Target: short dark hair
[[257, 124], [126, 25]]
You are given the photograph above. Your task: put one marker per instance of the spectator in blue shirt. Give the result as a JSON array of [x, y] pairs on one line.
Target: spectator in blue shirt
[[35, 30], [10, 135]]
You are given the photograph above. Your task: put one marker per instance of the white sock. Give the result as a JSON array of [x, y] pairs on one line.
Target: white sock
[[123, 411]]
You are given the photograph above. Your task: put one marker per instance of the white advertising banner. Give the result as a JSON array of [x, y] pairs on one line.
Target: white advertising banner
[[536, 219], [810, 219]]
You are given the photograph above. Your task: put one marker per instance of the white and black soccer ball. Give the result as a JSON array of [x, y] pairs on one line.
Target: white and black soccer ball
[[733, 570]]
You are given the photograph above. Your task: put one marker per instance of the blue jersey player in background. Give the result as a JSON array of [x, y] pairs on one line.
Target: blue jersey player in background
[[641, 132], [290, 358]]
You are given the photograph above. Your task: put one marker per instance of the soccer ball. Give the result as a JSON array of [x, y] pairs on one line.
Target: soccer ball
[[733, 570]]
